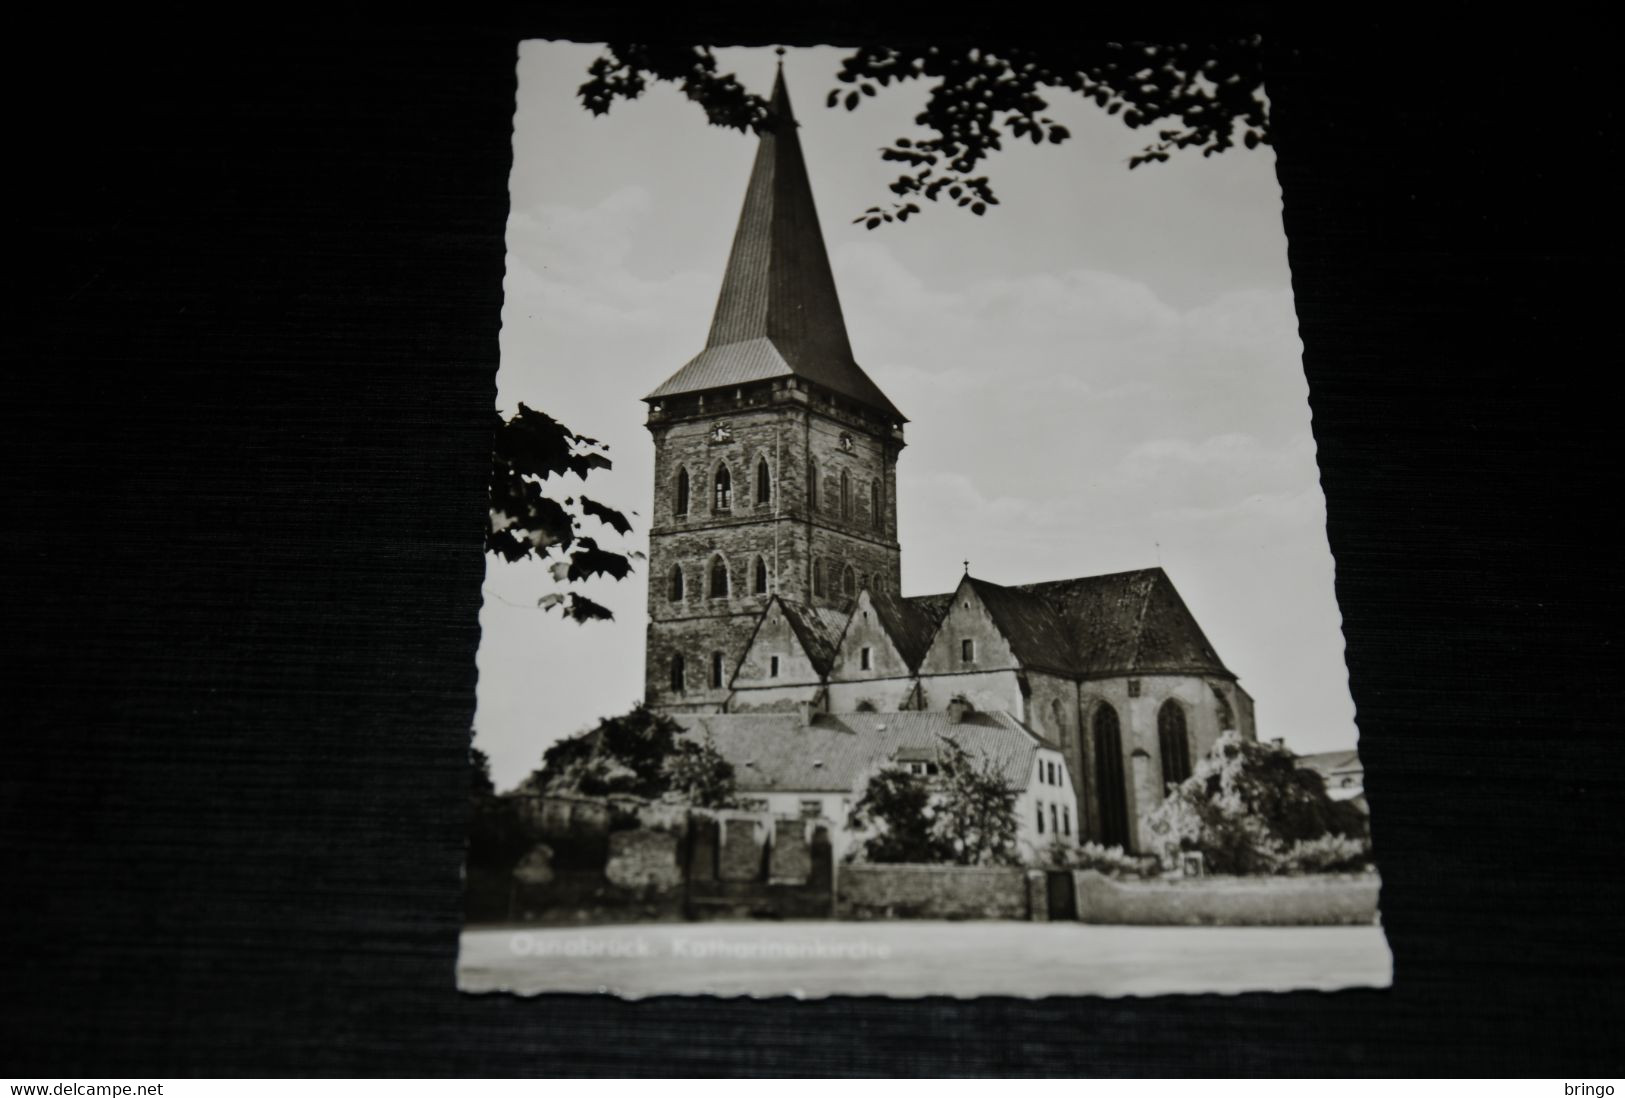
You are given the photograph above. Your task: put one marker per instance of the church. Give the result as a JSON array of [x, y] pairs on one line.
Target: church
[[777, 623]]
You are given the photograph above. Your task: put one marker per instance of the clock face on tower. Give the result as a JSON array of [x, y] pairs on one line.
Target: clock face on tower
[[722, 432]]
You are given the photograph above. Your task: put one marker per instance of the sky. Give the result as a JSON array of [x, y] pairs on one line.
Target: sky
[[1101, 374]]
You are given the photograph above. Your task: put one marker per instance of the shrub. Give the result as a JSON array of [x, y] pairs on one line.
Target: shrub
[[1113, 861], [1250, 809]]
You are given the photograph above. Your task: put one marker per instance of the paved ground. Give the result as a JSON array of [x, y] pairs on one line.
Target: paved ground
[[913, 958]]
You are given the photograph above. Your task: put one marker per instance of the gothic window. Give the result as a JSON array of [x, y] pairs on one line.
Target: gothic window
[[817, 576], [716, 670], [875, 518], [761, 576], [1173, 741], [677, 583], [812, 486], [682, 492], [849, 581], [764, 483], [725, 490], [719, 578], [846, 495], [677, 676], [1109, 775]]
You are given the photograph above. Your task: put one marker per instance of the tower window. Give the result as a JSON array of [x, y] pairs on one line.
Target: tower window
[[1134, 688], [967, 651], [716, 670], [761, 576], [846, 495], [719, 578], [682, 492], [677, 675], [864, 658], [817, 576], [725, 490], [875, 517], [849, 581], [764, 482], [677, 583]]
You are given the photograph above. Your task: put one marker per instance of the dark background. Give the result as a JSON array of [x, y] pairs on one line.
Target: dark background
[[256, 279]]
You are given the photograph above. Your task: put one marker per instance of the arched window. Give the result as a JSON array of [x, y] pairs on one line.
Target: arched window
[[677, 583], [812, 486], [725, 490], [761, 576], [846, 495], [682, 492], [876, 519], [716, 670], [1173, 742], [849, 582], [817, 576], [719, 578], [677, 675], [1109, 776], [764, 483]]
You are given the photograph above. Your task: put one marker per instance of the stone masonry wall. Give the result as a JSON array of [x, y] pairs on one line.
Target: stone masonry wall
[[931, 892], [1320, 900]]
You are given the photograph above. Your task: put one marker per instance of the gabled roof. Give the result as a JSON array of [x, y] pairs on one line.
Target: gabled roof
[[1116, 624], [819, 630], [909, 624], [1037, 635], [778, 314], [773, 752]]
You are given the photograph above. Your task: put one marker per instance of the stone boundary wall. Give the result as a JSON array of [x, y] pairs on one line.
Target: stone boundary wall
[[931, 892], [1340, 899]]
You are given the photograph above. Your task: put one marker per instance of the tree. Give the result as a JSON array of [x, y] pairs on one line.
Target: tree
[[641, 754], [1196, 95], [528, 521], [1250, 809], [977, 814], [965, 817], [896, 806]]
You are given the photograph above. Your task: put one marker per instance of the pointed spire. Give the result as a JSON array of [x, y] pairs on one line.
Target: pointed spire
[[778, 313]]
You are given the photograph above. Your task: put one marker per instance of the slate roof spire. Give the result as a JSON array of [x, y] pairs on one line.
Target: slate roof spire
[[778, 314]]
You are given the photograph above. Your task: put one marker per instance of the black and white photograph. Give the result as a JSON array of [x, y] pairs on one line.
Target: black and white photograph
[[907, 571]]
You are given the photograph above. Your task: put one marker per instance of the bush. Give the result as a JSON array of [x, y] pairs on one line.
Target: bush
[[1250, 809], [1113, 861]]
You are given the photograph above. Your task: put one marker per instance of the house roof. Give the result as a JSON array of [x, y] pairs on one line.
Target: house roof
[[1117, 624], [1332, 762], [910, 624], [1131, 621], [819, 630], [778, 314], [773, 752]]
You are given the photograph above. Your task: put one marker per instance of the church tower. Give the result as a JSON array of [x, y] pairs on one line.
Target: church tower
[[775, 454]]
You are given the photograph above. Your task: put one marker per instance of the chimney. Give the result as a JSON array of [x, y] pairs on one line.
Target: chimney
[[958, 708]]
